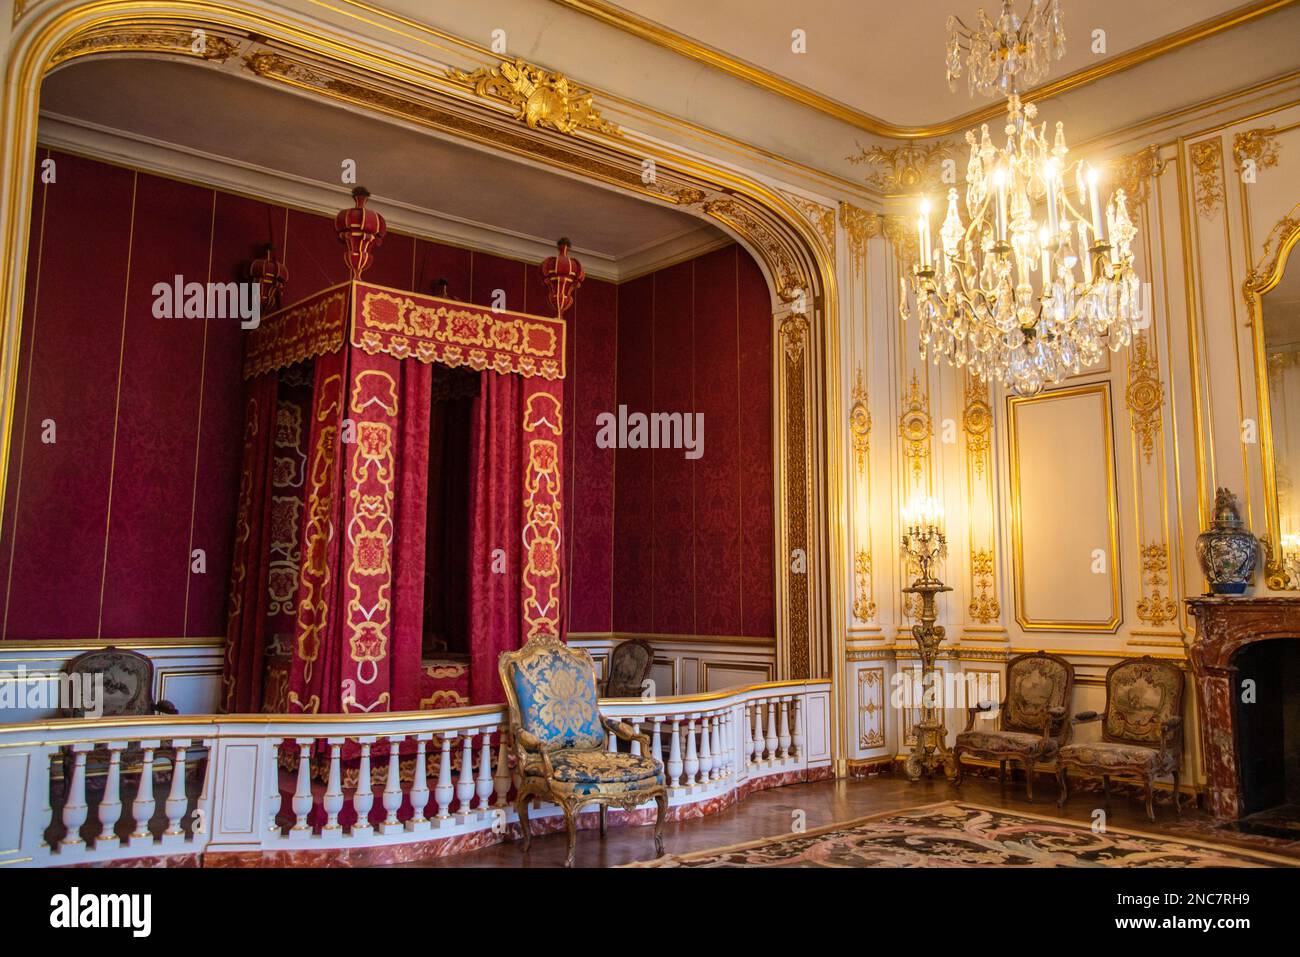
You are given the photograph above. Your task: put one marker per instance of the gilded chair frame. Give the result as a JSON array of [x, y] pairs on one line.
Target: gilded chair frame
[[1169, 749], [529, 749], [1056, 730]]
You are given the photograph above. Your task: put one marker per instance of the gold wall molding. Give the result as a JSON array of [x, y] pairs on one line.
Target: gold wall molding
[[662, 36], [860, 226], [901, 233], [1259, 145], [984, 606], [915, 427], [1144, 395], [907, 168], [541, 99], [871, 708], [860, 425], [1156, 609], [1135, 172], [977, 422], [1207, 171], [144, 38], [864, 609]]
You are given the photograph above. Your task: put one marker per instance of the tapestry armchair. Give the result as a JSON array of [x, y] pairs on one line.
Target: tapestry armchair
[[1141, 729], [1031, 724], [629, 666], [559, 740]]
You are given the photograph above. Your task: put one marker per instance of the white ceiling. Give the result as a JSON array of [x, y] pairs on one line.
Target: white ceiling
[[144, 111], [886, 57]]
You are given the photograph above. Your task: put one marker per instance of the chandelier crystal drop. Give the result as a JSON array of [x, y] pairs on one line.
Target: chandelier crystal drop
[[1007, 54], [1035, 281]]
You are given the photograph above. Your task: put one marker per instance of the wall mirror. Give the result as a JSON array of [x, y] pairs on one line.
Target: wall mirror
[[1273, 292]]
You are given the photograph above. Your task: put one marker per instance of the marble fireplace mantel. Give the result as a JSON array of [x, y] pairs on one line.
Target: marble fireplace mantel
[[1225, 625]]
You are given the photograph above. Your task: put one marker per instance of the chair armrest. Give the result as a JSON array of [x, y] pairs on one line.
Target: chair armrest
[[163, 706], [626, 732], [1084, 717], [1052, 726], [1169, 730], [525, 742], [972, 713]]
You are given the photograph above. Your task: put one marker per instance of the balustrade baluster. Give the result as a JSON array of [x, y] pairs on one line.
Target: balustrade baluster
[[706, 750], [784, 738], [302, 799], [420, 785], [465, 783], [333, 800], [759, 706], [110, 808], [178, 801], [144, 805], [483, 785], [393, 788], [656, 741], [363, 798], [692, 762], [719, 757], [635, 747], [796, 704], [772, 740], [675, 753], [749, 735], [501, 782], [75, 808], [443, 791]]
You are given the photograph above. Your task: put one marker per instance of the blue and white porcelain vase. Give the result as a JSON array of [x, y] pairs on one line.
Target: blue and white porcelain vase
[[1227, 549]]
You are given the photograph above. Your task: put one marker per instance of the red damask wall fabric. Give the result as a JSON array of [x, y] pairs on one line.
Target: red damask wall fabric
[[693, 540]]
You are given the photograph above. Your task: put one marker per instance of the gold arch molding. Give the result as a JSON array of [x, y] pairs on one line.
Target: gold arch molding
[[496, 106]]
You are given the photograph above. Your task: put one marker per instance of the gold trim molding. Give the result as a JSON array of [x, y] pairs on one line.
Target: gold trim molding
[[915, 428], [907, 168], [540, 99], [1144, 395], [1260, 145], [1207, 171], [1134, 173]]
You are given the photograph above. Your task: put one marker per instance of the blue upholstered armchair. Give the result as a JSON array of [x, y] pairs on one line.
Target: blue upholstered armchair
[[559, 739]]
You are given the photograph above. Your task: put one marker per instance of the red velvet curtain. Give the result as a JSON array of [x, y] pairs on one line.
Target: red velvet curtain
[[495, 548], [246, 618]]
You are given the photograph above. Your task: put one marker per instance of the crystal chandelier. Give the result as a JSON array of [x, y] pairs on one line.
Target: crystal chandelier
[[1030, 288]]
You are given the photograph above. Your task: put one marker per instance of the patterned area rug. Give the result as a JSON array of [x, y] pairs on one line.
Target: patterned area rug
[[956, 834]]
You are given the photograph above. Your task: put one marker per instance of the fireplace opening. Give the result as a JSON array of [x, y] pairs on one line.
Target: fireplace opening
[[1268, 737]]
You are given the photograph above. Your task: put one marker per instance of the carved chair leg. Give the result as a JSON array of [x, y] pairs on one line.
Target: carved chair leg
[[521, 809], [1105, 790], [1029, 779], [1178, 802], [602, 820], [571, 827], [1151, 791], [662, 801], [1063, 784], [956, 763]]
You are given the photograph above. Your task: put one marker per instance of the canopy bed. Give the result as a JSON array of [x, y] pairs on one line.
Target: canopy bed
[[399, 512]]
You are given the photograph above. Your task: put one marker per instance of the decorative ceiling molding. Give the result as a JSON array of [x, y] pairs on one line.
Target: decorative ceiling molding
[[137, 38], [540, 99], [821, 217], [860, 225], [1259, 145], [1134, 173], [662, 36], [907, 168]]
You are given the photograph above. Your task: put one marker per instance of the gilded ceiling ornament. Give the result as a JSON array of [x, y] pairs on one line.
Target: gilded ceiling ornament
[[871, 708], [860, 425], [822, 218], [1134, 173], [147, 38], [540, 98], [1145, 395], [976, 422], [908, 168], [1156, 609], [914, 427], [860, 226], [1260, 145], [1207, 169], [984, 606], [864, 609]]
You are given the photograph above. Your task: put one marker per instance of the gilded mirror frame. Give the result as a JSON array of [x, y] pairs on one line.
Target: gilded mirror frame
[[1259, 282]]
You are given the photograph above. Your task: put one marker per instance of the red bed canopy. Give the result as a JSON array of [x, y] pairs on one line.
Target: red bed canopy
[[330, 551]]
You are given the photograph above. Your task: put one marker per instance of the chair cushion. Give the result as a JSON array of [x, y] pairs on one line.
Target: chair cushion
[[601, 767], [557, 699], [1111, 754], [1009, 741]]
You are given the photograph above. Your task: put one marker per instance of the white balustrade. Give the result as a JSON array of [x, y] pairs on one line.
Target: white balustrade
[[239, 796]]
